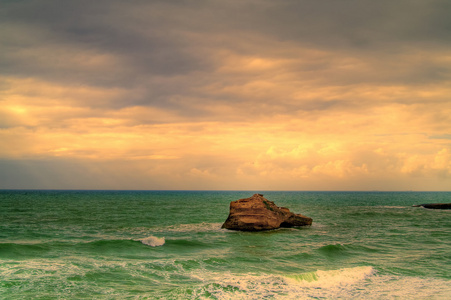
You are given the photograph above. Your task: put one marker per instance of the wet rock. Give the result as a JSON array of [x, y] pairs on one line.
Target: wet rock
[[258, 213], [435, 205]]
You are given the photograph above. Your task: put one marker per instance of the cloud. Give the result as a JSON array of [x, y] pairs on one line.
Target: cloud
[[214, 94]]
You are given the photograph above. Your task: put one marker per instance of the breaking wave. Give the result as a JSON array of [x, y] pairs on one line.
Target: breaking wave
[[361, 282], [333, 278], [153, 241]]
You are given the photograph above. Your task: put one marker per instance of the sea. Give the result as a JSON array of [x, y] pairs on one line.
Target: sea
[[57, 244]]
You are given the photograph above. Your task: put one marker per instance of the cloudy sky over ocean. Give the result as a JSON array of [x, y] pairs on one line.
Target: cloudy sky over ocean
[[249, 94]]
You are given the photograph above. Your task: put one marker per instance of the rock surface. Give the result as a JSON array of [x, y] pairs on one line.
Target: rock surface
[[258, 213], [435, 205]]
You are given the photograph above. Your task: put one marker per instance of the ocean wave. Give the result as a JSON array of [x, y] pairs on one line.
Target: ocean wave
[[194, 279], [339, 249], [197, 227], [153, 241], [333, 278], [178, 228], [392, 206], [362, 282], [19, 250], [334, 249]]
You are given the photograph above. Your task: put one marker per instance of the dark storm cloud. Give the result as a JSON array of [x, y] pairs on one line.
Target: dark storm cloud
[[163, 50], [363, 23], [96, 27]]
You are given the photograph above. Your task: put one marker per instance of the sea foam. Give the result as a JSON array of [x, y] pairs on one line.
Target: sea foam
[[153, 241], [362, 282], [333, 278]]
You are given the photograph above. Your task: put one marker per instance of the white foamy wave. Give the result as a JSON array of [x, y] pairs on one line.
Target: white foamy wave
[[179, 228], [333, 278], [392, 206], [197, 227], [347, 283], [153, 241]]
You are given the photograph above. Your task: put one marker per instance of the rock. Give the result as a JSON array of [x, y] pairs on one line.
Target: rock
[[435, 205], [258, 213]]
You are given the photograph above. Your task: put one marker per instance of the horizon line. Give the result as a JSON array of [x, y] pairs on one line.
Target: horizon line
[[212, 190]]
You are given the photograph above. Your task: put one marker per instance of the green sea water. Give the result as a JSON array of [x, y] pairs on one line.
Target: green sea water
[[170, 245]]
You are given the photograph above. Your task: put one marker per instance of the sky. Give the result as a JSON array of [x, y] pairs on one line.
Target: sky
[[225, 95]]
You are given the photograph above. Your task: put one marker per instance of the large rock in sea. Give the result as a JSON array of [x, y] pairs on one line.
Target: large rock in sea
[[258, 213], [435, 205]]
